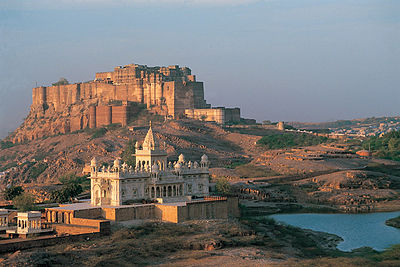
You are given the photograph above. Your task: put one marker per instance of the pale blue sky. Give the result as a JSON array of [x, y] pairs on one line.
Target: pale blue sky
[[276, 59]]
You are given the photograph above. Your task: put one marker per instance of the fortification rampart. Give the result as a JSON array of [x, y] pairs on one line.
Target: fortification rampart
[[167, 91], [172, 87]]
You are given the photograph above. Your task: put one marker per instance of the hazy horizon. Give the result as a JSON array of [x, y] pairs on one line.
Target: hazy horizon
[[309, 61]]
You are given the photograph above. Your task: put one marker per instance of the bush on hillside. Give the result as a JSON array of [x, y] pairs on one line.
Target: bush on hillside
[[127, 155], [387, 146], [13, 191], [24, 202], [288, 140], [223, 187]]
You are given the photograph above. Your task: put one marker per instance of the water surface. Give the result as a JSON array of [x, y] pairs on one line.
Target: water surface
[[357, 230]]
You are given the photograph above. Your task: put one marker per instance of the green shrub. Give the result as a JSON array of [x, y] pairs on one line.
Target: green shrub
[[387, 146], [66, 193], [24, 202], [223, 187], [13, 191], [61, 81], [37, 169], [8, 166], [99, 133], [287, 140], [6, 144], [129, 151]]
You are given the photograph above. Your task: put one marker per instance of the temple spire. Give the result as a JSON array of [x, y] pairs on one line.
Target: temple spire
[[150, 142]]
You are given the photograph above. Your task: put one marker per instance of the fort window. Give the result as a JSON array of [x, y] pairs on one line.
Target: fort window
[[169, 191], [158, 192], [180, 190]]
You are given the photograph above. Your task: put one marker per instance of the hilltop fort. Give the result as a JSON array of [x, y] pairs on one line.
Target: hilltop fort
[[115, 97]]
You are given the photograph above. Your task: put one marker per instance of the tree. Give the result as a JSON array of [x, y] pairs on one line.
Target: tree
[[129, 151], [61, 81], [66, 193], [24, 202], [13, 191], [223, 186], [71, 178]]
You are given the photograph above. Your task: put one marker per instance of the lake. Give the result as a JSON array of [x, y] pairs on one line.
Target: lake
[[357, 230]]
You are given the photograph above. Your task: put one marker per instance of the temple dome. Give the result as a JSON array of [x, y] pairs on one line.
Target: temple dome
[[93, 162], [117, 163], [150, 142], [181, 158], [204, 158]]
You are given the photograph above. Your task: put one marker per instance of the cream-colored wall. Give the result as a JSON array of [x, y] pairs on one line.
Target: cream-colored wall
[[212, 114]]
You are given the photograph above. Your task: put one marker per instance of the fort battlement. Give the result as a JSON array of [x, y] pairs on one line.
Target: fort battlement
[[115, 97], [173, 88]]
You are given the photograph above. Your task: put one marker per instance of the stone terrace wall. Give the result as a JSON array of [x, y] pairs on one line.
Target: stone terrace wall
[[139, 212], [14, 245], [167, 213], [215, 208]]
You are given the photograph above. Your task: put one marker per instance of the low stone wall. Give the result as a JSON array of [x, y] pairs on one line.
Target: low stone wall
[[209, 208], [167, 213], [14, 245], [92, 213], [214, 209], [139, 212], [103, 226], [70, 229]]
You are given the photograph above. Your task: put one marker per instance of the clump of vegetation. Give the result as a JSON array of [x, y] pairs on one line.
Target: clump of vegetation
[[287, 140], [252, 171], [387, 146], [6, 144], [98, 133], [66, 193], [129, 151], [113, 126], [71, 178], [73, 185], [223, 187], [13, 191], [8, 166], [61, 81], [37, 169], [24, 202], [236, 163]]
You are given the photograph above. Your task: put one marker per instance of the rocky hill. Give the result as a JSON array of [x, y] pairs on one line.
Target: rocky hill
[[43, 161]]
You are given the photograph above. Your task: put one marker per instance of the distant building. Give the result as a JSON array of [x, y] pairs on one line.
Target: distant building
[[220, 115], [28, 224], [281, 126], [364, 153]]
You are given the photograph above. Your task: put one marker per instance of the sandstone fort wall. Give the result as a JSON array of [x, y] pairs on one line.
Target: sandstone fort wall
[[167, 91]]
